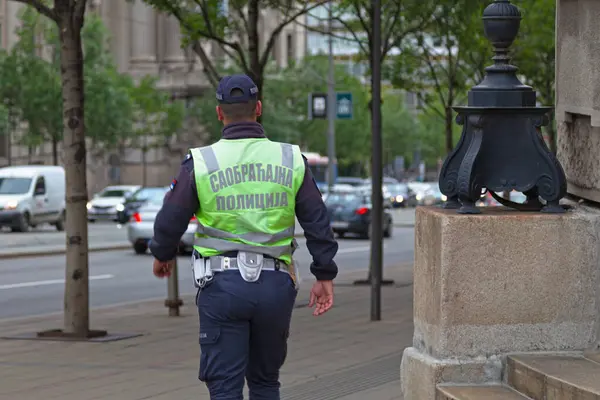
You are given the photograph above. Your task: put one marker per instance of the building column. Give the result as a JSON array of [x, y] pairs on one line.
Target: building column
[[143, 34], [578, 95], [172, 33], [116, 16]]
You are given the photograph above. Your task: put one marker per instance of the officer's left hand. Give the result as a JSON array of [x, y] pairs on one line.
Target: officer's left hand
[[162, 268]]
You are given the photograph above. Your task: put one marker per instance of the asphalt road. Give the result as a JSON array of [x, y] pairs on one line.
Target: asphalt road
[[109, 233], [34, 286]]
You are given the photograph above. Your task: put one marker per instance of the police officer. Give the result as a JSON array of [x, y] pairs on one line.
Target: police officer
[[245, 191]]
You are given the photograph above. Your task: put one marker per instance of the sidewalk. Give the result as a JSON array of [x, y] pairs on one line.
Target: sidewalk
[[341, 355]]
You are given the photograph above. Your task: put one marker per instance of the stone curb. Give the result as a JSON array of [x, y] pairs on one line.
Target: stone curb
[[56, 252]]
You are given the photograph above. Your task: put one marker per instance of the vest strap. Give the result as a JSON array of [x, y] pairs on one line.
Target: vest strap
[[223, 245]]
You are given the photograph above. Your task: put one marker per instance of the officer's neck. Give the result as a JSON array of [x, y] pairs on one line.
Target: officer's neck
[[243, 130]]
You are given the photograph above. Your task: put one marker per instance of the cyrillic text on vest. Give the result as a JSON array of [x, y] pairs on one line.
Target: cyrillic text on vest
[[256, 172]]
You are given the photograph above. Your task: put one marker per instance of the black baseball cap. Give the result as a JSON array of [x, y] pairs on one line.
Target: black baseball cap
[[241, 82]]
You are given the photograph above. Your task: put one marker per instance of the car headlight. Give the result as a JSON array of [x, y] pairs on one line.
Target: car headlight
[[11, 205], [88, 206], [120, 207], [444, 198], [419, 197], [399, 199]]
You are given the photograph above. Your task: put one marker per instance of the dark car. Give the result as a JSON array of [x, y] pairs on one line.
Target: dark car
[[139, 198], [350, 180], [401, 195], [351, 213]]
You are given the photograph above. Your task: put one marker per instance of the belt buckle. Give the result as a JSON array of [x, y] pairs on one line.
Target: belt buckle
[[226, 263]]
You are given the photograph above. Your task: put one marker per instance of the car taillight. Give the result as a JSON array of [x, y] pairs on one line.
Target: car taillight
[[194, 219], [136, 218], [362, 211]]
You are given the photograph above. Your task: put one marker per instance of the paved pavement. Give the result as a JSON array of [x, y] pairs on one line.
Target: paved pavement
[[33, 286], [103, 236], [341, 355]]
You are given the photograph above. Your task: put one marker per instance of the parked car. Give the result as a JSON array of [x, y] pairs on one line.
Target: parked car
[[133, 203], [338, 188], [140, 228], [420, 189], [433, 196], [385, 193], [350, 180], [106, 204], [32, 195], [401, 195], [351, 213], [386, 180]]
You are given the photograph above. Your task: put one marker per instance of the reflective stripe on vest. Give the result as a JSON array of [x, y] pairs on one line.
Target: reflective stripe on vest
[[230, 204]]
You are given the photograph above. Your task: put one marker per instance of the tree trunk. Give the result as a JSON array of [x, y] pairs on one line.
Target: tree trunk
[[256, 70], [448, 122], [144, 167], [54, 150], [76, 301], [11, 128]]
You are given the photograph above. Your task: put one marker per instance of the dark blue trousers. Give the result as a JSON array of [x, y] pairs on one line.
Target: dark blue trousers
[[244, 329]]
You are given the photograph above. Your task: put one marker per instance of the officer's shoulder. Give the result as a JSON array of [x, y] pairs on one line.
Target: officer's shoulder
[[188, 161]]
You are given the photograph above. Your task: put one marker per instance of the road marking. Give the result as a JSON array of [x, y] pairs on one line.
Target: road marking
[[51, 282]]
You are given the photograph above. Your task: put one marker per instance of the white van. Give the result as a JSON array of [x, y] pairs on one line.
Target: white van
[[32, 195]]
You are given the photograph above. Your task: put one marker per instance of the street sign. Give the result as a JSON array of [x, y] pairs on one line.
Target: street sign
[[343, 105], [317, 106]]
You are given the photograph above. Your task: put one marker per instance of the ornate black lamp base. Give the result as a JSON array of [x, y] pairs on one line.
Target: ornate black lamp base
[[452, 204], [469, 208], [501, 149], [554, 208]]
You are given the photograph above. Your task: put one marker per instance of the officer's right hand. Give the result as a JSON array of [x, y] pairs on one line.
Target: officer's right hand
[[162, 269], [321, 295]]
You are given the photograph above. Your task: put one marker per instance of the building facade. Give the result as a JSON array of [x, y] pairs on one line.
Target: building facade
[[346, 51], [144, 42]]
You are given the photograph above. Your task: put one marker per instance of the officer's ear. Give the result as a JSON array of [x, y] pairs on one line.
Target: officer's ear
[[220, 114], [258, 108]]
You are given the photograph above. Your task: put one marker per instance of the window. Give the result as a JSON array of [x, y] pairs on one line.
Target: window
[[113, 193], [149, 194], [40, 187], [14, 185]]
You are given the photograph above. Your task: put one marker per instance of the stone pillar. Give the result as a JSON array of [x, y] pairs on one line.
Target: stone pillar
[[578, 95], [117, 17], [143, 34], [172, 33], [498, 283]]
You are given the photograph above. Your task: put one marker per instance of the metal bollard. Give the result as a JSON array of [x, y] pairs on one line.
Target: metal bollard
[[173, 302]]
